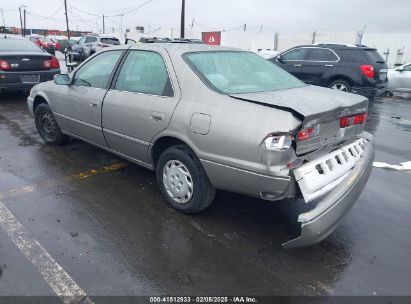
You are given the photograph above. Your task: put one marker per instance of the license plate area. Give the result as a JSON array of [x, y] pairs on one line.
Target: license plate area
[[30, 78], [323, 174]]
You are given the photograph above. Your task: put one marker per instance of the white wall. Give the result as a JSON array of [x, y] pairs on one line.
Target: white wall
[[250, 40]]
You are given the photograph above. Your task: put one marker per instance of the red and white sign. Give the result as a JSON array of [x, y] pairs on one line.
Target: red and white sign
[[212, 38]]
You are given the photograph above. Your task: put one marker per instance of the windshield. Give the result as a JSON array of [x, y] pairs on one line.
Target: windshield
[[8, 44], [233, 72]]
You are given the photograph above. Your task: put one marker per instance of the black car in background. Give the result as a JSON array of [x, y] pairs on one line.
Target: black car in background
[[351, 68], [23, 64]]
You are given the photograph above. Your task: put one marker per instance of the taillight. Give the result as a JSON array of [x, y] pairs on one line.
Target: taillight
[[367, 70], [357, 119], [308, 133], [4, 65], [277, 142], [52, 63]]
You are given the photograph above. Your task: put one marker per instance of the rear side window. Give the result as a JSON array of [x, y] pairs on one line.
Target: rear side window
[[296, 54], [144, 72], [374, 56], [321, 54], [112, 41]]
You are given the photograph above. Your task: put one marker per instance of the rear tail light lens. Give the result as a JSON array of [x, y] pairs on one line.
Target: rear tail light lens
[[357, 119], [278, 142], [308, 133], [52, 63], [367, 70], [4, 65]]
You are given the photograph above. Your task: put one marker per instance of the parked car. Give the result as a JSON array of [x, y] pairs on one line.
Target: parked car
[[399, 79], [65, 43], [267, 54], [90, 44], [45, 43], [348, 68], [208, 117], [23, 64]]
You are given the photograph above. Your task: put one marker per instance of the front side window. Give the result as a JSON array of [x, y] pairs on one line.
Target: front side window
[[320, 54], [233, 72], [96, 72], [296, 54], [144, 72]]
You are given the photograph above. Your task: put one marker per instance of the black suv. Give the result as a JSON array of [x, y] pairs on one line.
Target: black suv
[[351, 68]]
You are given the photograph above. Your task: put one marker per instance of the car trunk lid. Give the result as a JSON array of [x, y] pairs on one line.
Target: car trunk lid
[[318, 108], [25, 61]]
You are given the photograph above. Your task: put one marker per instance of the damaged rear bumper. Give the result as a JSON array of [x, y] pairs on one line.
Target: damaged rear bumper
[[319, 222]]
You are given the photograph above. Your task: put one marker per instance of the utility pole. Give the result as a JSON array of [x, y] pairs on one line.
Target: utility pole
[[121, 22], [24, 14], [245, 27], [67, 24], [183, 12], [21, 21], [104, 27]]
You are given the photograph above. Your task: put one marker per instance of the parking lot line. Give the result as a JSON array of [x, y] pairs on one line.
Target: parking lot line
[[51, 183], [62, 284]]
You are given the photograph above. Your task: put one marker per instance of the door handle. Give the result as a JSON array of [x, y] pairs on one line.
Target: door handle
[[157, 116], [329, 65], [93, 105], [297, 65]]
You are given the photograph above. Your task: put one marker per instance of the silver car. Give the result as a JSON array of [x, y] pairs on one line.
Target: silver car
[[207, 118], [399, 79]]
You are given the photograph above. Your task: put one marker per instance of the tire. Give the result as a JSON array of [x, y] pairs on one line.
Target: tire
[[47, 125], [182, 180], [341, 85]]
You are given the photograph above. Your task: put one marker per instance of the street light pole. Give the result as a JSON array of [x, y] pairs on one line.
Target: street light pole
[[67, 24], [183, 8], [21, 21]]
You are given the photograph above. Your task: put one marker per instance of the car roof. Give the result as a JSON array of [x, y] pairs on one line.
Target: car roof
[[181, 48], [336, 46]]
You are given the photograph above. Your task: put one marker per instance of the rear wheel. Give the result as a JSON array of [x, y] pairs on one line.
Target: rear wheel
[[47, 125], [182, 180], [340, 85]]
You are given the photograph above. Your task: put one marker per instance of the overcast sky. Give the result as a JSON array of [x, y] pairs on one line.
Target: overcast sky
[[275, 15]]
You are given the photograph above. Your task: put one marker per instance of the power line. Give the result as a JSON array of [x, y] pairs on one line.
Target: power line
[[55, 13]]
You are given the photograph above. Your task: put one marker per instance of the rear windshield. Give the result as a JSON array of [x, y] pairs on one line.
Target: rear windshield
[[8, 44], [232, 72], [113, 41]]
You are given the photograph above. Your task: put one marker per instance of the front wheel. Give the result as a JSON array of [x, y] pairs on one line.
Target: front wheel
[[340, 85], [182, 180], [47, 125]]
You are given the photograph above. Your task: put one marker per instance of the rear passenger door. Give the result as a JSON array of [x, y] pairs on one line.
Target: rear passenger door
[[140, 103], [319, 61]]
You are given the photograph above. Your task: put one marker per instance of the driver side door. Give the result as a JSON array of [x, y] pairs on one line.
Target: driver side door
[[77, 107]]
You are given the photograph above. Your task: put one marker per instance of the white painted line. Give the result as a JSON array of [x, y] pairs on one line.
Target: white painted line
[[62, 284], [402, 167]]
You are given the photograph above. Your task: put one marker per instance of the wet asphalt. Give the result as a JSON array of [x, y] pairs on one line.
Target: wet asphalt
[[103, 220]]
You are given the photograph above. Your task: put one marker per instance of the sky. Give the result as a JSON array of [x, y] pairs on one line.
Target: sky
[[293, 16]]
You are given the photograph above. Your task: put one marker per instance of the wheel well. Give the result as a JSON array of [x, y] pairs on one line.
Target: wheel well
[[336, 77], [38, 100], [162, 144]]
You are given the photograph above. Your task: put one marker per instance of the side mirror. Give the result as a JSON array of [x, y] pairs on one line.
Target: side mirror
[[400, 69], [279, 58], [62, 79]]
